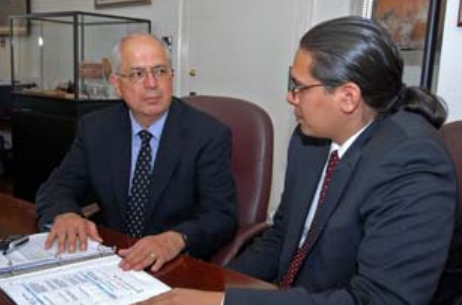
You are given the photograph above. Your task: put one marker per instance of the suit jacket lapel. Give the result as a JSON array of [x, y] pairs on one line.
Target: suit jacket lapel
[[120, 162], [168, 154], [340, 180], [313, 159], [334, 194]]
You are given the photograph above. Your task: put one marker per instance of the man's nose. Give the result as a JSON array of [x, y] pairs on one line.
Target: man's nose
[[291, 99], [150, 80]]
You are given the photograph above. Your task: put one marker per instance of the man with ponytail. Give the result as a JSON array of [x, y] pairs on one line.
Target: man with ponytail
[[369, 201]]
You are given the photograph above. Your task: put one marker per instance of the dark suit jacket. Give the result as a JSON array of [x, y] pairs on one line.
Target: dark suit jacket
[[385, 225], [193, 190]]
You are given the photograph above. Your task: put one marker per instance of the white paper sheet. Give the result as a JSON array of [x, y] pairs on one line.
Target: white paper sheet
[[96, 281], [33, 254]]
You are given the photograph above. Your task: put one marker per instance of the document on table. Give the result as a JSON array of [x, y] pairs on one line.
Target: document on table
[[33, 254], [95, 281]]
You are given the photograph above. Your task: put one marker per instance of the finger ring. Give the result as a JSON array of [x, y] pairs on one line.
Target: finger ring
[[152, 255]]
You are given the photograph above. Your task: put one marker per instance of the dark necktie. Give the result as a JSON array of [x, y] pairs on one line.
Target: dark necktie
[[299, 257], [140, 189]]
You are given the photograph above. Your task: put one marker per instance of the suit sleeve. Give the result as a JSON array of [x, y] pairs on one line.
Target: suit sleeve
[[261, 258], [67, 185], [407, 218], [215, 219]]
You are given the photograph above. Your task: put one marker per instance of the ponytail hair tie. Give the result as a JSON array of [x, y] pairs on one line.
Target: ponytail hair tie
[[402, 91], [395, 101]]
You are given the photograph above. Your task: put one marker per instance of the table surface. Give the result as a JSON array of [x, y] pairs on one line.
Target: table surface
[[18, 217]]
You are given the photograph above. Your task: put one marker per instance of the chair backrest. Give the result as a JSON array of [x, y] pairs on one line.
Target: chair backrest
[[452, 137], [252, 150], [448, 291]]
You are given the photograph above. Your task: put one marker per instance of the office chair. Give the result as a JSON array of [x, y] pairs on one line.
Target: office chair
[[449, 289], [452, 137], [2, 153], [251, 162]]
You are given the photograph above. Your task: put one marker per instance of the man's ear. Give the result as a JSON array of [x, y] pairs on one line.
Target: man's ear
[[349, 96], [115, 83]]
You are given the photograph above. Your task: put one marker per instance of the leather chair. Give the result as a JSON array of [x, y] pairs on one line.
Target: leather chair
[[252, 162], [449, 289], [2, 154], [452, 137]]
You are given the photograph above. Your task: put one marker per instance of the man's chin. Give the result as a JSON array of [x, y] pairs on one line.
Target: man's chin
[[308, 132], [156, 108], [155, 112], [305, 130]]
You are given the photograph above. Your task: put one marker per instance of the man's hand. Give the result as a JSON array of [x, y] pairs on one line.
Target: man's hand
[[70, 227], [185, 297], [153, 250]]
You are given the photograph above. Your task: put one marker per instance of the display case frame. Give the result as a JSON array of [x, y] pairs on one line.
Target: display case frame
[[78, 22], [116, 3]]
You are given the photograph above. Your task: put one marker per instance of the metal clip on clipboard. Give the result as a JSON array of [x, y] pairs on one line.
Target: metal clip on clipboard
[[12, 243]]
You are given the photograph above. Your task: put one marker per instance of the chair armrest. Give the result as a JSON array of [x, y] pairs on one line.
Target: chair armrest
[[244, 235]]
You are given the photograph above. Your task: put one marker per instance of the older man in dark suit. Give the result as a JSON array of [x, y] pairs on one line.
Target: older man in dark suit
[[159, 169]]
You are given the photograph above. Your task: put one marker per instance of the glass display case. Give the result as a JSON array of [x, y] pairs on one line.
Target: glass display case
[[60, 71], [67, 54]]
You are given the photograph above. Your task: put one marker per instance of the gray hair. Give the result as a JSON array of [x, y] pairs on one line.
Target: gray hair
[[115, 56]]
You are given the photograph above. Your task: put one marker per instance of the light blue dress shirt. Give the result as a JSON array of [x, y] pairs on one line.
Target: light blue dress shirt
[[156, 130]]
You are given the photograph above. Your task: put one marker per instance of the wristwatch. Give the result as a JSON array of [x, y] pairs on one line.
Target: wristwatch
[[185, 240]]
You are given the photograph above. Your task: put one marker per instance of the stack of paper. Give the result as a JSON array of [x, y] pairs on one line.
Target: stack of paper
[[96, 281], [82, 278], [33, 255]]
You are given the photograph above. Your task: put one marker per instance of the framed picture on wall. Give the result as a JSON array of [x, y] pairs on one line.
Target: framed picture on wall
[[417, 28], [406, 21], [459, 21], [9, 8], [112, 3]]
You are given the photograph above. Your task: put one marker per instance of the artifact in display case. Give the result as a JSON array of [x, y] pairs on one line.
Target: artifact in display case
[[67, 54]]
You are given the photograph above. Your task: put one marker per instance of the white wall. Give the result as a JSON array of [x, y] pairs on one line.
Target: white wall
[[4, 59], [450, 72], [164, 16], [250, 60], [252, 45]]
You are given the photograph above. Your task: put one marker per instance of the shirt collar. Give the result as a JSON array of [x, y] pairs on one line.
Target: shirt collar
[[341, 149], [155, 129]]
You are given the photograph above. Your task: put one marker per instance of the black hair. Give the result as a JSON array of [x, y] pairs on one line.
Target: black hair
[[356, 49]]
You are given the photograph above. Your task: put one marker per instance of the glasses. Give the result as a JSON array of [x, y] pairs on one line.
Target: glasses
[[295, 87], [138, 74]]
